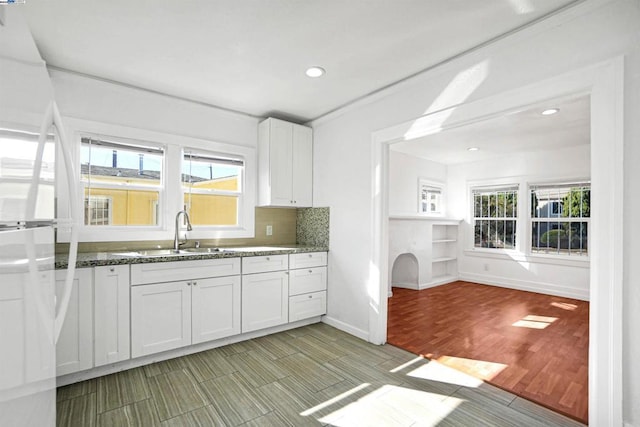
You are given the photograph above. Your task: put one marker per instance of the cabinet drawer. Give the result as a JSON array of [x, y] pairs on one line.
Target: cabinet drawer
[[311, 259], [307, 305], [183, 270], [263, 264], [307, 280]]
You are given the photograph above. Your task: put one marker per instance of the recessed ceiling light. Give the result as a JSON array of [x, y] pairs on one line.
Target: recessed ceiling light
[[315, 71], [472, 149], [550, 111]]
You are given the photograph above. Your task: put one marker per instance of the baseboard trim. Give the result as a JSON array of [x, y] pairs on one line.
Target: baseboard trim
[[523, 285], [405, 285], [345, 327]]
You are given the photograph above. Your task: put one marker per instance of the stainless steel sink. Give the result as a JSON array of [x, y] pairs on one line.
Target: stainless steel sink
[[154, 252], [203, 250], [170, 252]]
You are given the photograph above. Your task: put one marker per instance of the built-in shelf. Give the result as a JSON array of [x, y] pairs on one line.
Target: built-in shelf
[[444, 252], [423, 251]]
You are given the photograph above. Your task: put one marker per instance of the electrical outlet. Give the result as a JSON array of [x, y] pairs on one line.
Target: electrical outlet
[[269, 230]]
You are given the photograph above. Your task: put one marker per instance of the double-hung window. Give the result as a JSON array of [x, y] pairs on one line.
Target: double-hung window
[[122, 182], [495, 212], [560, 216], [213, 188]]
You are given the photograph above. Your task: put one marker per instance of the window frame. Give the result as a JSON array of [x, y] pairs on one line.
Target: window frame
[[171, 199], [160, 188], [240, 193], [507, 186], [556, 219], [438, 186]]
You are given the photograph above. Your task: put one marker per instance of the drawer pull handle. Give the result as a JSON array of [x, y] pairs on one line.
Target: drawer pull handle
[[195, 283], [268, 259], [310, 296], [188, 283], [310, 256], [310, 271], [112, 269]]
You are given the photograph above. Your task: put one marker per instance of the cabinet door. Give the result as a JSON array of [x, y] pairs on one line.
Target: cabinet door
[[302, 179], [307, 280], [215, 308], [307, 305], [111, 314], [280, 158], [74, 349], [160, 317], [265, 300]]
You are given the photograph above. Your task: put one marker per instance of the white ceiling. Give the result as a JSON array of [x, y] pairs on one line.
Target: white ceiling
[[250, 55], [520, 131]]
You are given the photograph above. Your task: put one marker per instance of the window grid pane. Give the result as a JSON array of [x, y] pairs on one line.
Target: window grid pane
[[212, 189], [559, 216], [495, 213], [122, 181]]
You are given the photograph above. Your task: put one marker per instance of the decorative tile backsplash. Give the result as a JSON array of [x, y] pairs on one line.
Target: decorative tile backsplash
[[312, 227]]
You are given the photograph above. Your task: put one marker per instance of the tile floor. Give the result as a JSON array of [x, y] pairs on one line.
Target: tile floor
[[314, 375]]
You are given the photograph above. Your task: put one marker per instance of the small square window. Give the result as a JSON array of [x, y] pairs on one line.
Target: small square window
[[429, 198]]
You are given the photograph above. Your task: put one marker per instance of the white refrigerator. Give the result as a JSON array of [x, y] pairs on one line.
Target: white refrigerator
[[30, 314]]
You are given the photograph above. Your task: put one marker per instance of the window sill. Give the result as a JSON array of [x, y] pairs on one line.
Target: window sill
[[582, 262]]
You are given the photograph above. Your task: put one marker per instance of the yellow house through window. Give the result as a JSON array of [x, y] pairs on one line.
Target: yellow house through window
[[212, 186]]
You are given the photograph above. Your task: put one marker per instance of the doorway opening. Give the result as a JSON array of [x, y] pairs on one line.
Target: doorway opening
[[602, 83]]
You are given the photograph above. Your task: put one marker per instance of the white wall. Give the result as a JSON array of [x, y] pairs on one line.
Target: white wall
[[404, 173], [587, 34], [531, 273]]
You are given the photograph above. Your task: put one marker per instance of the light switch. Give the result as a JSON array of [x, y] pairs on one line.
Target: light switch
[[269, 230]]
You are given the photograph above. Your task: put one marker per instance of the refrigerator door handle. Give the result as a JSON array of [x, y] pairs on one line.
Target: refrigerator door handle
[[61, 311]]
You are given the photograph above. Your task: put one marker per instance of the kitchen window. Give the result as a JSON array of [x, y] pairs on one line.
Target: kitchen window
[[495, 212], [122, 182], [560, 216], [213, 188]]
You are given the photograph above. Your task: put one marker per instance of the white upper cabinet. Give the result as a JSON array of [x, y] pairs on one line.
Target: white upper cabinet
[[285, 162]]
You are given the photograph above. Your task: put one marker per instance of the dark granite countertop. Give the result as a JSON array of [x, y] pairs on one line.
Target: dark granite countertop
[[93, 259]]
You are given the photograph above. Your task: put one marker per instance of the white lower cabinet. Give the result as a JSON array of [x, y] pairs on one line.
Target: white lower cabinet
[[265, 300], [307, 305], [74, 349], [176, 314], [215, 308], [111, 314], [308, 286], [160, 317]]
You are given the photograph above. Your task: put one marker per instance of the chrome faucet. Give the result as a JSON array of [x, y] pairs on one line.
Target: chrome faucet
[[176, 239]]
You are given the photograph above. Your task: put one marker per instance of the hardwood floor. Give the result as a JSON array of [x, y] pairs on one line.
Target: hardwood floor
[[314, 375], [533, 345]]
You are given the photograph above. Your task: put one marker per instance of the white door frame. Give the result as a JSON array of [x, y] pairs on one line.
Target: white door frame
[[604, 84]]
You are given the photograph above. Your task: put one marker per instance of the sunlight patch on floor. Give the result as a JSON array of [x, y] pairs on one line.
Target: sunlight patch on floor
[[409, 363], [436, 371], [481, 369], [394, 406], [333, 400], [534, 322], [564, 305]]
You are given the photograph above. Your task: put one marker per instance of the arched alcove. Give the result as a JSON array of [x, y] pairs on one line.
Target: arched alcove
[[404, 272]]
